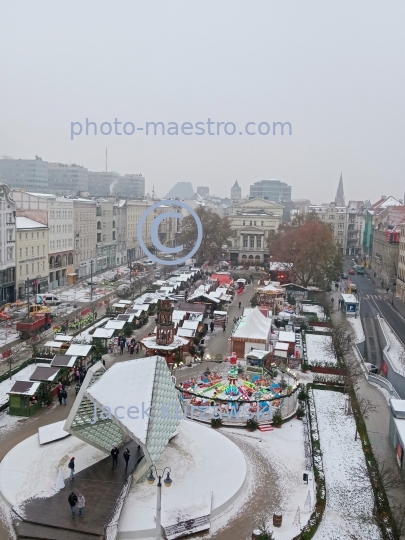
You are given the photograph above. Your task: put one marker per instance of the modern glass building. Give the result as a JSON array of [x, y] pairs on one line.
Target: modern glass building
[[271, 190]]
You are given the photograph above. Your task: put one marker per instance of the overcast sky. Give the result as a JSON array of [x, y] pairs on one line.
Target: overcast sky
[[335, 71]]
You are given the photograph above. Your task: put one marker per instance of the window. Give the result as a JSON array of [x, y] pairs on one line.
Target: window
[[21, 270], [245, 241], [262, 223], [20, 253], [259, 241], [254, 223], [32, 251], [37, 234], [26, 252], [32, 266], [37, 250], [250, 223], [26, 268], [252, 241]]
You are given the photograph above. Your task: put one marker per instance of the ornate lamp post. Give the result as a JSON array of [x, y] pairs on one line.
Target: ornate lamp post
[[167, 482]]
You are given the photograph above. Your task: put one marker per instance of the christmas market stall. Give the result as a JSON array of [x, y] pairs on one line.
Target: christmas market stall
[[24, 398]]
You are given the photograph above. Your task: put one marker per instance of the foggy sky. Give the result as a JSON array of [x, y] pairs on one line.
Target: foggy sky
[[335, 71]]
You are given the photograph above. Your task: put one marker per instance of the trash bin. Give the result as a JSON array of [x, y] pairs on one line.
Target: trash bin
[[277, 519], [256, 534]]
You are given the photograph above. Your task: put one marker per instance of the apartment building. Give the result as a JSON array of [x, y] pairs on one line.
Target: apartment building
[[336, 217], [29, 174], [386, 245], [129, 186], [135, 210], [355, 227], [252, 220], [400, 285], [57, 214], [32, 268], [99, 183], [67, 179], [7, 245], [106, 241], [84, 224]]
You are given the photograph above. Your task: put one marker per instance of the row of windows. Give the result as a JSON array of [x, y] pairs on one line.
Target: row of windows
[[32, 251], [62, 243], [9, 254], [27, 268], [32, 235], [58, 229], [59, 214]]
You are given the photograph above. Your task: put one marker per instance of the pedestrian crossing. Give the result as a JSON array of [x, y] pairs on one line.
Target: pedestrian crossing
[[370, 296]]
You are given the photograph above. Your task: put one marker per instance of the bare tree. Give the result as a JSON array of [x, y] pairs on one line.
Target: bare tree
[[366, 407]]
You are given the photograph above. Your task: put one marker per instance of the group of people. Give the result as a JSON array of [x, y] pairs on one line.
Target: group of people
[[80, 501], [131, 344], [114, 454]]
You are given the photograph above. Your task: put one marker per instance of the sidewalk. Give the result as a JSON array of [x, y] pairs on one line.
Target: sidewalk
[[378, 429]]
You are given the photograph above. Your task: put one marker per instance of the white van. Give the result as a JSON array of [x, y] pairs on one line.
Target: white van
[[47, 298]]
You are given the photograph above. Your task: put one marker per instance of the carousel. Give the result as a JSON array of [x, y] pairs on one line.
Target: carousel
[[248, 385]]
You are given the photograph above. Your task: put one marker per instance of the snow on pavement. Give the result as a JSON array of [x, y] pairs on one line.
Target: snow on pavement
[[357, 329], [348, 509]]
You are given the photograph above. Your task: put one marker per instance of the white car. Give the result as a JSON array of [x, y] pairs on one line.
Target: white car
[[371, 368]]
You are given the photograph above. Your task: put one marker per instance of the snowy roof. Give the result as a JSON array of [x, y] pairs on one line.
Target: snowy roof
[[193, 325], [398, 406], [255, 326], [128, 302], [62, 337], [138, 384], [288, 337], [257, 353], [54, 344], [79, 350], [349, 299], [281, 346], [63, 360], [47, 373], [104, 333], [186, 332], [27, 223], [117, 325], [150, 343], [270, 289], [52, 432], [27, 388]]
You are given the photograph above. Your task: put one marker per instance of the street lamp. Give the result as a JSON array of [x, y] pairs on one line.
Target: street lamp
[[167, 482]]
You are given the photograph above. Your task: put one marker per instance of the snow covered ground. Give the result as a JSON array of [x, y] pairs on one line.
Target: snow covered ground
[[314, 308], [357, 329], [348, 506], [319, 348], [394, 350]]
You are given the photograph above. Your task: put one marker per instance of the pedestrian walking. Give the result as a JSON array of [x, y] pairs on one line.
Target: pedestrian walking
[[103, 361], [224, 326], [82, 376], [72, 501], [114, 455], [60, 396], [137, 348], [81, 503], [122, 345], [77, 388], [64, 396], [72, 468], [240, 304], [128, 344], [77, 374], [131, 348], [212, 326], [127, 455]]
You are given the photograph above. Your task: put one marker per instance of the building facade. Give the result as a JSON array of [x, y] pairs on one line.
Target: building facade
[[106, 241], [135, 210], [400, 286], [67, 179], [129, 186], [355, 227], [236, 192], [28, 174], [84, 224], [7, 245], [336, 217], [32, 268], [120, 217], [252, 221], [271, 190]]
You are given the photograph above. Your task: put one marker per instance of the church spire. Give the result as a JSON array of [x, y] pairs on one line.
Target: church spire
[[340, 194]]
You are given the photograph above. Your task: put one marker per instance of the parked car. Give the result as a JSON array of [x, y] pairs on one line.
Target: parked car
[[344, 276], [352, 272], [371, 368]]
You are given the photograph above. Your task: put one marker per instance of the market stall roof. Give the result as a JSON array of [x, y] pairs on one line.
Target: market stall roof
[[257, 353], [116, 324], [128, 302], [193, 325], [54, 344], [26, 388], [79, 350], [44, 374], [62, 337], [216, 312], [125, 317], [288, 337], [105, 333], [118, 305], [281, 346], [64, 360], [255, 326], [186, 332]]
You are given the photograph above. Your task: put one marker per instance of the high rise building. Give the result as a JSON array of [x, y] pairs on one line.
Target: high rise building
[[100, 182], [271, 190], [7, 245], [129, 186], [236, 192], [29, 174], [181, 190], [67, 179]]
